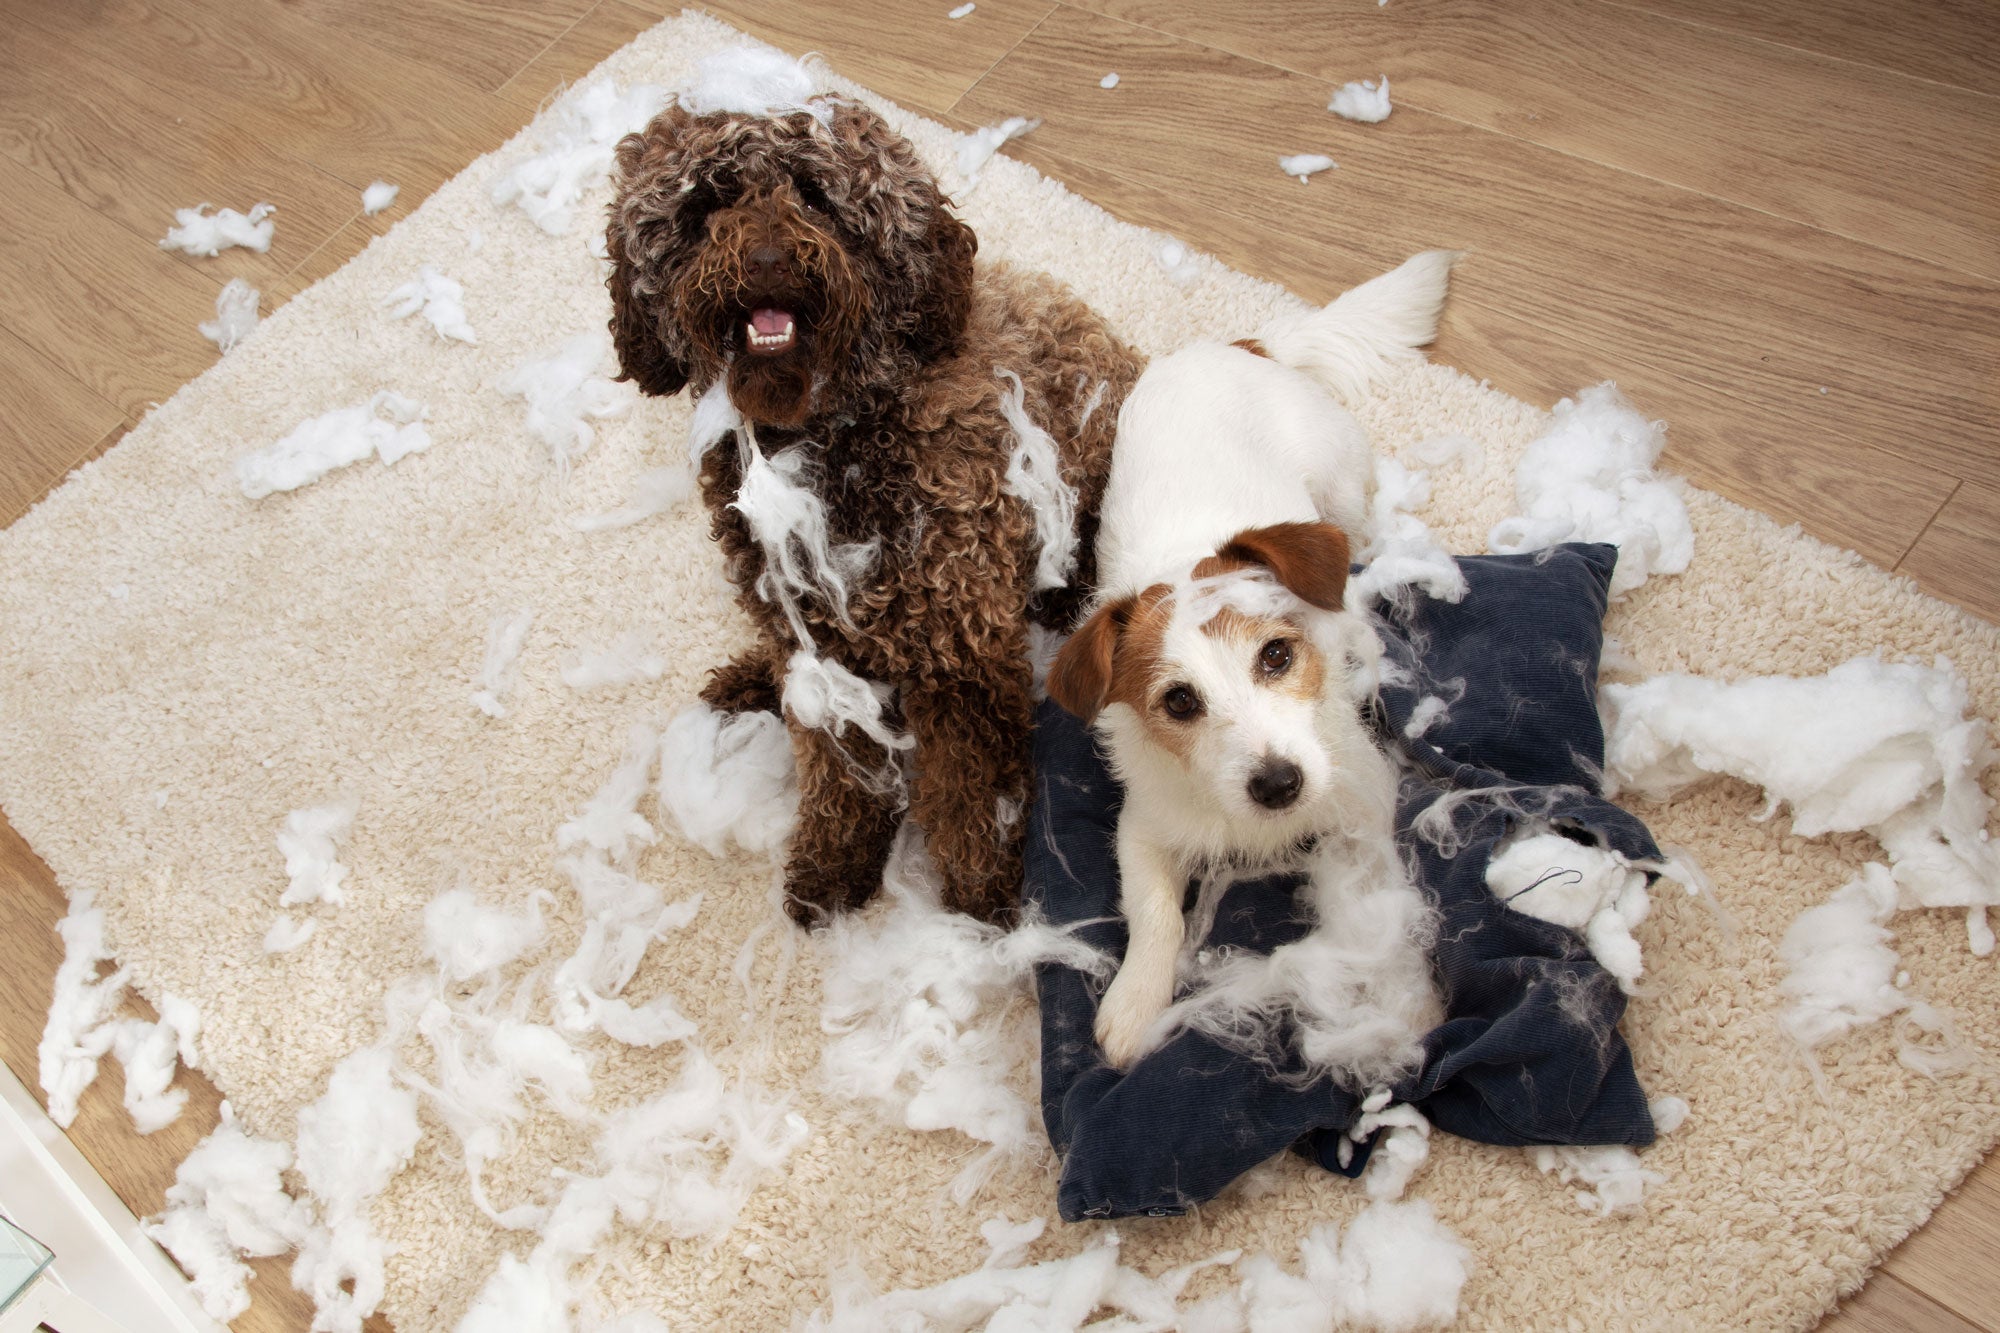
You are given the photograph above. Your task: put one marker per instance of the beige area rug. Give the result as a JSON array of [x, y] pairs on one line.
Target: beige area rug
[[180, 667]]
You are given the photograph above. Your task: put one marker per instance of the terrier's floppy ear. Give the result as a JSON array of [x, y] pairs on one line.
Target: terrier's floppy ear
[[1080, 677], [1308, 558]]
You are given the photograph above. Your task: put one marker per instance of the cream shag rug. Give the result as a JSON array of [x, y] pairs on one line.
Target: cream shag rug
[[181, 666]]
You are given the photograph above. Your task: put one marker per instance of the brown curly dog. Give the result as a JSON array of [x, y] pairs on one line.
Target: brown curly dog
[[810, 261]]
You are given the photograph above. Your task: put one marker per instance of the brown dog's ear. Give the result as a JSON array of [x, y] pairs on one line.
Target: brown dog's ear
[[1080, 677], [946, 301], [643, 357], [1308, 558]]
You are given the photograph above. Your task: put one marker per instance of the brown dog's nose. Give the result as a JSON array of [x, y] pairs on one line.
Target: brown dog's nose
[[769, 262]]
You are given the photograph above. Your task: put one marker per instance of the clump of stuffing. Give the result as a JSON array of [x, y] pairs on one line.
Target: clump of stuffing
[[1402, 555], [1617, 1183], [1444, 450], [1303, 165], [196, 231], [962, 10], [825, 695], [1404, 1146], [1034, 477], [388, 426], [1396, 1268], [752, 80], [235, 315], [930, 1015], [788, 518], [310, 841], [1183, 266], [1879, 747], [441, 299], [1589, 478], [977, 148], [656, 491], [1363, 100], [565, 391], [577, 151], [1669, 1113], [727, 779], [505, 636], [288, 933], [379, 196], [630, 660], [228, 1200], [1583, 887], [81, 1028], [1108, 81], [610, 821]]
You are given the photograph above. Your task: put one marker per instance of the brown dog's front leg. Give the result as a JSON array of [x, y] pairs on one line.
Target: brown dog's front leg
[[971, 788], [844, 830]]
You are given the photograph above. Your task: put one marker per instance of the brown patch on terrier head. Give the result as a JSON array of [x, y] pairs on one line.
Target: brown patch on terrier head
[[1252, 346], [1309, 559], [1279, 656]]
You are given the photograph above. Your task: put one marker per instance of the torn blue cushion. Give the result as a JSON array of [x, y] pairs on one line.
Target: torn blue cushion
[[1529, 1051]]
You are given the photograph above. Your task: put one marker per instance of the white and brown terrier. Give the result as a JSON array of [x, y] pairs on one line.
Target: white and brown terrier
[[1219, 666]]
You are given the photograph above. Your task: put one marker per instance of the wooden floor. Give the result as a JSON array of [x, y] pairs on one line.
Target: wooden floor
[[1776, 223]]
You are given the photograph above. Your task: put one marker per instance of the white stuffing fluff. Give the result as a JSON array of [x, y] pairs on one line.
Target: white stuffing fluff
[[1589, 478], [565, 392], [1396, 1268], [577, 151], [1402, 555], [80, 1029], [1056, 1296], [1885, 748], [228, 1200], [727, 779], [713, 419], [611, 822], [441, 299], [930, 1015], [1364, 100], [196, 231], [378, 196], [505, 636], [467, 940], [752, 80], [977, 148], [628, 661], [352, 1142], [684, 1162], [622, 916], [788, 519], [656, 491], [1034, 477], [1669, 1113], [1843, 974], [1618, 1184], [1443, 450], [1303, 165], [828, 697], [1399, 1154], [1108, 81], [150, 1054], [1356, 991], [310, 841], [235, 315], [962, 10], [1183, 266], [287, 933], [387, 425], [1589, 889]]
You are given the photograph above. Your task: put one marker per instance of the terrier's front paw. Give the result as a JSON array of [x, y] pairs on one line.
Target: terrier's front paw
[[1126, 1016]]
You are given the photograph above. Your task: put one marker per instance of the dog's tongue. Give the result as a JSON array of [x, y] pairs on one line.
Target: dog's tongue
[[768, 321]]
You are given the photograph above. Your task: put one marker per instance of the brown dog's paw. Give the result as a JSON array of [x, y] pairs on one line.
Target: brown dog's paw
[[742, 686]]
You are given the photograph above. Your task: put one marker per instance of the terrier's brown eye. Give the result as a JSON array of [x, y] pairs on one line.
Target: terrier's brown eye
[[1181, 703], [1275, 657]]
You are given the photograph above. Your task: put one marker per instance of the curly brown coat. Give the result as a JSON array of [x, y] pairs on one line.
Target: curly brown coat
[[888, 383]]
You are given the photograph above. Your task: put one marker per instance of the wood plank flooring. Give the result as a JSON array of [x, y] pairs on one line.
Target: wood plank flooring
[[1728, 206]]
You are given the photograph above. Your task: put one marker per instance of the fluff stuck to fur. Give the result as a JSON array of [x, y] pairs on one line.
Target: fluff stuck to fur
[[440, 299], [1396, 1268], [1303, 165], [1402, 555], [930, 1015], [1886, 748], [387, 425], [788, 519], [1364, 100], [630, 660], [235, 315], [576, 151], [1592, 890], [1589, 478], [1055, 1296], [379, 196], [729, 778], [655, 492], [196, 231], [565, 391], [1616, 1182], [506, 634], [976, 149], [751, 81], [1034, 477], [228, 1200]]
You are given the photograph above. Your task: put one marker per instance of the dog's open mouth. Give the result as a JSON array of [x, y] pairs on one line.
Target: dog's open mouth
[[770, 331]]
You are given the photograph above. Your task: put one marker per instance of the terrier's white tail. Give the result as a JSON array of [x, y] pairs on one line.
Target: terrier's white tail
[[1348, 343]]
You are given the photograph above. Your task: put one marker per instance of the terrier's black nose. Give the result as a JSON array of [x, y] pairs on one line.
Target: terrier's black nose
[[1276, 783]]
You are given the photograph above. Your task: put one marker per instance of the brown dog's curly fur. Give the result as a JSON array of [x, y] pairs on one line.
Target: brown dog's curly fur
[[890, 387]]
